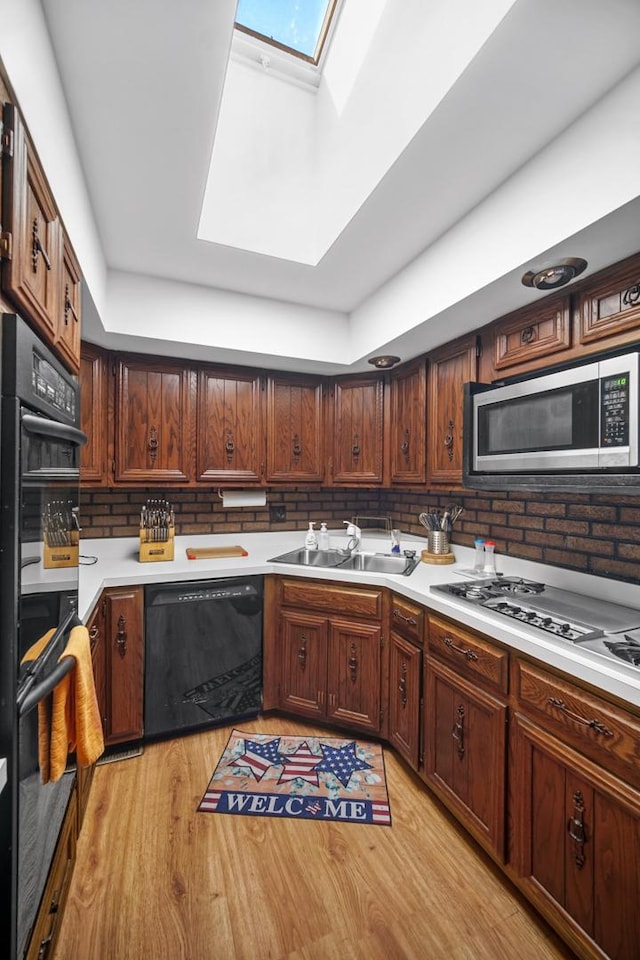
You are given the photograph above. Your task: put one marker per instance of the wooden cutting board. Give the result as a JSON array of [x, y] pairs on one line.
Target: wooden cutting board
[[208, 553]]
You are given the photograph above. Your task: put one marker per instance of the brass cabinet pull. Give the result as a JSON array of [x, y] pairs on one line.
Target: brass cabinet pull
[[37, 248], [468, 654], [353, 663], [527, 335], [577, 830], [458, 730], [448, 440], [302, 654], [410, 620], [595, 725], [404, 446], [68, 307], [355, 446], [297, 447], [229, 446], [402, 685], [152, 445], [121, 635]]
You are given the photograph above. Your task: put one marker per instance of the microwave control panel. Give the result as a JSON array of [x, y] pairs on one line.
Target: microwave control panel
[[614, 411]]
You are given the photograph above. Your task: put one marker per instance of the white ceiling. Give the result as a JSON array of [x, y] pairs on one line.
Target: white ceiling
[[143, 80]]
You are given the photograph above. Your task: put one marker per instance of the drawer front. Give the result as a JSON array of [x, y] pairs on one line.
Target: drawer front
[[469, 654], [407, 619], [332, 597], [601, 730]]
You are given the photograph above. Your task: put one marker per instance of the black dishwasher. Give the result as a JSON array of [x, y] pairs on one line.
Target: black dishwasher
[[203, 654]]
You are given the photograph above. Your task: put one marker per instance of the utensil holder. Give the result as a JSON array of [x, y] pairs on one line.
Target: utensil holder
[[65, 555], [437, 541]]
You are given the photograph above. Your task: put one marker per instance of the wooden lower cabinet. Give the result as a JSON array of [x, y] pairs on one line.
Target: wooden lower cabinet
[[326, 664], [49, 918], [465, 752], [576, 843], [405, 686]]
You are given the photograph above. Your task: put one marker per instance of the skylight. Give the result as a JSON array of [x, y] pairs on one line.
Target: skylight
[[298, 27]]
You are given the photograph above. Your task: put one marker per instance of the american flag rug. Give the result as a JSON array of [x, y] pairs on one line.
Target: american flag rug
[[311, 778]]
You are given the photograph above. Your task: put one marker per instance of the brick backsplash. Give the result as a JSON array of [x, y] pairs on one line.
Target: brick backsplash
[[592, 534]]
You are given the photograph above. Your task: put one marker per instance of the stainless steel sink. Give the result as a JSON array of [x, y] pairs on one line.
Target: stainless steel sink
[[380, 563], [364, 562], [312, 558]]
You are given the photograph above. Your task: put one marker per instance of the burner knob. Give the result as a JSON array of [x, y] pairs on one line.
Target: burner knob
[[545, 621], [565, 628], [515, 610], [530, 615], [502, 605]]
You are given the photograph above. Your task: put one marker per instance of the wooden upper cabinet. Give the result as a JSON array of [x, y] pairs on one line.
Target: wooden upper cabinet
[[408, 427], [93, 415], [153, 422], [295, 429], [449, 369], [230, 444], [528, 338], [32, 264], [357, 431], [609, 304]]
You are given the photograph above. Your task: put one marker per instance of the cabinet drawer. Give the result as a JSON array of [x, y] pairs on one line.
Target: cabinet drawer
[[532, 333], [604, 732], [408, 619], [469, 653], [332, 597]]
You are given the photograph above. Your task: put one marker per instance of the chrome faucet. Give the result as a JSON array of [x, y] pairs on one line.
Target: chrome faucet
[[354, 533]]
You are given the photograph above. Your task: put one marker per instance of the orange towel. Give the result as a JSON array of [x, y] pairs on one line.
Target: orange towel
[[70, 718]]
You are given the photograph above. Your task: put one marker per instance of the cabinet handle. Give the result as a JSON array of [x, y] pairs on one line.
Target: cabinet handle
[[631, 296], [353, 663], [94, 637], [448, 440], [229, 446], [458, 731], [302, 653], [402, 685], [355, 446], [37, 248], [595, 725], [577, 830], [297, 448], [121, 635], [68, 307], [410, 620], [527, 335], [43, 951], [404, 446], [468, 654], [152, 445]]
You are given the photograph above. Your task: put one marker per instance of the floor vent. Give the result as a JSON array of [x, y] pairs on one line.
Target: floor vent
[[124, 754]]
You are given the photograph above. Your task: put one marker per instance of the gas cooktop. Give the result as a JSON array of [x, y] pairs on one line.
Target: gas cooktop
[[606, 628]]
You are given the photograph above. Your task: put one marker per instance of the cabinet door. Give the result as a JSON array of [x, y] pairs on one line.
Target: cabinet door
[[408, 424], [68, 314], [93, 416], [528, 338], [405, 682], [31, 277], [449, 370], [230, 438], [357, 432], [153, 416], [576, 839], [125, 664], [353, 676], [465, 758], [303, 662], [295, 430]]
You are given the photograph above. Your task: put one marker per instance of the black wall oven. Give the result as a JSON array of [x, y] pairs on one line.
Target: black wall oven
[[39, 491]]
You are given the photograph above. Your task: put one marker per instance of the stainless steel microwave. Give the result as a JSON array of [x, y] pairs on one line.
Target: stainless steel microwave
[[573, 428]]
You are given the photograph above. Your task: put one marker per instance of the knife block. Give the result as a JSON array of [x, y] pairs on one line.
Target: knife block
[[63, 556], [153, 550]]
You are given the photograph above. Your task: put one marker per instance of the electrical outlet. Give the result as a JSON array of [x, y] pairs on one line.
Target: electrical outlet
[[277, 513]]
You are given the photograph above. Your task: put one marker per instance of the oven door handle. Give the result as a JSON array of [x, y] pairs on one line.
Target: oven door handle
[[31, 693], [53, 429]]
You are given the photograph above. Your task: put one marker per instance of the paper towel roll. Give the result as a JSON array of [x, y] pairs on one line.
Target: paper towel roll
[[243, 498]]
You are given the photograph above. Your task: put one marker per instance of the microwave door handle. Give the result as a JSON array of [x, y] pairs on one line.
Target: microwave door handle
[[52, 429]]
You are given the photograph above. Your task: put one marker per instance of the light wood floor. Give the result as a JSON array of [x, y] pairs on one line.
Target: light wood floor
[[156, 879]]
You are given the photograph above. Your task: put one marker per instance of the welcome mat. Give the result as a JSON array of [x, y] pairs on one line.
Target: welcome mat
[[311, 778]]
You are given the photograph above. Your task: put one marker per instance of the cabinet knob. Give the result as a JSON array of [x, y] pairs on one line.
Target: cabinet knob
[[527, 335]]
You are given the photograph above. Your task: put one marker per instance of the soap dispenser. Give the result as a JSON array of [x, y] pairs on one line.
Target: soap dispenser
[[323, 537], [311, 540]]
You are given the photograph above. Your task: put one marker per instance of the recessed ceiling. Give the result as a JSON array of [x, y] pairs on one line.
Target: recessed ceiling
[[144, 82]]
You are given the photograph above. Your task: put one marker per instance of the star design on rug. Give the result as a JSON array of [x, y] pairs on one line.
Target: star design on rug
[[258, 757], [342, 761], [301, 765]]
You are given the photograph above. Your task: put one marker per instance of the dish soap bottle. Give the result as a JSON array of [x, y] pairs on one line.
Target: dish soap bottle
[[311, 540], [323, 537]]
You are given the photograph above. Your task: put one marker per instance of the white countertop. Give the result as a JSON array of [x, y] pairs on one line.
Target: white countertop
[[118, 565]]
